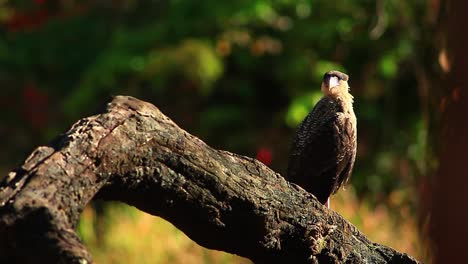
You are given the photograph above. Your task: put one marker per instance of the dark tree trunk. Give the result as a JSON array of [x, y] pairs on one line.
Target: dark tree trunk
[[133, 153], [449, 209]]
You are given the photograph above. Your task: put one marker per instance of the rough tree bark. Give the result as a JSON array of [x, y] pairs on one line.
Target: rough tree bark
[[133, 153]]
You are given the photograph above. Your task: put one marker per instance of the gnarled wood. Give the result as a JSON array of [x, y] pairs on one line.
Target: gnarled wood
[[133, 153]]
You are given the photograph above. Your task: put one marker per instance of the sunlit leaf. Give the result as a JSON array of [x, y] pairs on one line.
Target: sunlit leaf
[[388, 66]]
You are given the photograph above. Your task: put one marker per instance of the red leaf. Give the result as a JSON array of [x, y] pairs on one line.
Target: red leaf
[[265, 155]]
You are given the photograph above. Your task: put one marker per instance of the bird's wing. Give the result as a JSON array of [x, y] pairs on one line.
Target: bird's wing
[[346, 134], [314, 150]]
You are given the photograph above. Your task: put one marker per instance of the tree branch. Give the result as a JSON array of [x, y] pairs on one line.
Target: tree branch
[[133, 153]]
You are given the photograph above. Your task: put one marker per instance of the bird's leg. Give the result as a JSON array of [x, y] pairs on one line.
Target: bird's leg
[[327, 203]]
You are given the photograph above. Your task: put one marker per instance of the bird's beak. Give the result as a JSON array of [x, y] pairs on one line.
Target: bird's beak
[[333, 82]]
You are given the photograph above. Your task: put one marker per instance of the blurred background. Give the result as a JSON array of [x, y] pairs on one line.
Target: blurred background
[[241, 75]]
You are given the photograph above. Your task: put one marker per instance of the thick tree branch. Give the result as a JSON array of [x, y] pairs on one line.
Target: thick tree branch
[[133, 153]]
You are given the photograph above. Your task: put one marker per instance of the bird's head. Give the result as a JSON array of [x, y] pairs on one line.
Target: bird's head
[[335, 83]]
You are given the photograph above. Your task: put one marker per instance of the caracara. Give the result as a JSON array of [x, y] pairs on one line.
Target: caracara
[[324, 148]]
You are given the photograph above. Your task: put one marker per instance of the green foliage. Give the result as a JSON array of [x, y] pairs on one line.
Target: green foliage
[[193, 60]]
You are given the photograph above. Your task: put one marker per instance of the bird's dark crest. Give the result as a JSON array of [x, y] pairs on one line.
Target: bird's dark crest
[[340, 75]]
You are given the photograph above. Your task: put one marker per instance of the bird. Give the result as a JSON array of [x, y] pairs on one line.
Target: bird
[[323, 151]]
